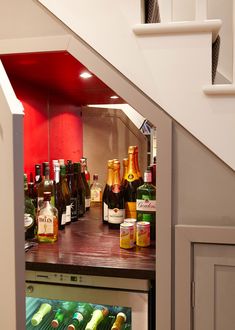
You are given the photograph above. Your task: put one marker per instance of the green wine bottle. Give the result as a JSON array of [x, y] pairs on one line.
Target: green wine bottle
[[98, 316], [44, 309], [66, 309], [82, 312]]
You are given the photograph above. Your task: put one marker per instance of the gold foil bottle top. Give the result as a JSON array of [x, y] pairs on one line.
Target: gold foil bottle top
[[131, 149], [116, 164], [125, 162], [110, 163]]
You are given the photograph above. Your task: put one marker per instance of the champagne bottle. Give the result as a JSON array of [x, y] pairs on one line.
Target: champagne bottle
[[45, 185], [29, 213], [119, 321], [82, 312], [146, 202], [44, 309], [60, 202], [65, 310], [116, 206], [98, 316], [107, 190], [96, 191], [72, 184], [136, 156], [65, 192], [47, 221], [124, 173], [131, 184], [87, 188], [81, 189]]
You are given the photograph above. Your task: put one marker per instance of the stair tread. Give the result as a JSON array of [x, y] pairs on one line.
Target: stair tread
[[219, 89]]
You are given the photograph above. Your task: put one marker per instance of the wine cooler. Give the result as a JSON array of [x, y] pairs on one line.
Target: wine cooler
[[84, 302]]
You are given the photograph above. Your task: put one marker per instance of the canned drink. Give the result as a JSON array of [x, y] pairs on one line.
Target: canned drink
[[132, 221], [126, 235], [143, 233]]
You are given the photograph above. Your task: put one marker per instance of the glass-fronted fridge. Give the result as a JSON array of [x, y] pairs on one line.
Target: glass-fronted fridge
[[84, 302]]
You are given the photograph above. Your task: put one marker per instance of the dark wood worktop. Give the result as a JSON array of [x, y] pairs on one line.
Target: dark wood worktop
[[89, 247]]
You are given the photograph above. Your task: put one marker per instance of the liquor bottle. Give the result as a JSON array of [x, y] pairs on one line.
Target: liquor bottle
[[87, 188], [119, 321], [136, 155], [116, 205], [72, 184], [60, 202], [65, 310], [87, 173], [29, 213], [107, 190], [43, 310], [65, 192], [131, 184], [80, 188], [32, 193], [47, 221], [38, 177], [45, 185], [146, 202], [124, 172], [96, 191], [82, 312], [98, 316]]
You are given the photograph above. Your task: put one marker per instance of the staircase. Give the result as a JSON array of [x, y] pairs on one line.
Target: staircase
[[169, 62]]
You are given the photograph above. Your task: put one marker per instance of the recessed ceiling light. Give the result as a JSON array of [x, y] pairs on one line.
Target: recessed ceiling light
[[85, 75], [114, 97]]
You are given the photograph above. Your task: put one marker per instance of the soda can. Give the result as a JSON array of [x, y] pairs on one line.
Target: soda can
[[126, 235], [132, 221], [143, 233]]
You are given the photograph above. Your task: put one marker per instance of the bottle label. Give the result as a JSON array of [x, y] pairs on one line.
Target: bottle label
[[130, 208], [28, 221], [68, 213], [45, 225], [78, 316], [106, 214], [39, 202], [116, 215], [132, 177], [74, 207], [116, 188], [63, 219], [87, 202], [145, 205], [95, 195]]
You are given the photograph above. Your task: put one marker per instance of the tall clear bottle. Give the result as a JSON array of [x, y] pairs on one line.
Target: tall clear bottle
[[96, 191], [107, 190], [131, 184], [116, 206], [87, 188], [47, 221], [65, 192], [60, 202], [45, 185]]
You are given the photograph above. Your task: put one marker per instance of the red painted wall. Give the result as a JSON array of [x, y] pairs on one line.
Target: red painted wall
[[52, 126]]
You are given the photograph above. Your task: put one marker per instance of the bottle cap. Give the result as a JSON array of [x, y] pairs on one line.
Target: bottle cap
[[54, 324], [47, 195], [71, 327]]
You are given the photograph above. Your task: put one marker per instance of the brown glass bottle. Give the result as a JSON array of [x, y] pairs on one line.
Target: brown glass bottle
[[45, 185], [66, 192], [73, 190], [87, 188], [80, 189], [131, 184], [107, 190]]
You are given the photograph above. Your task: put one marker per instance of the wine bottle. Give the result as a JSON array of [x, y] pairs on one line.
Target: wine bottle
[[38, 177], [131, 184], [66, 193], [119, 321], [43, 310], [87, 188], [96, 191], [65, 310], [29, 213], [72, 184], [82, 312], [98, 316], [87, 173], [107, 191], [60, 202], [80, 188], [136, 156], [116, 206], [146, 202], [45, 185], [47, 221]]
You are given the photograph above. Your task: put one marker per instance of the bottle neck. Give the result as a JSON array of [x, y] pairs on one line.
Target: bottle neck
[[57, 176], [137, 164], [131, 169], [147, 177], [110, 177], [116, 177]]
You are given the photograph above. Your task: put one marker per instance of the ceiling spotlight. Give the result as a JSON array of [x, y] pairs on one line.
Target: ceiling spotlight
[[114, 97], [85, 75]]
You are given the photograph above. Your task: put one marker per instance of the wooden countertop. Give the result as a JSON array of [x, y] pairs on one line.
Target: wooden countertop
[[89, 247]]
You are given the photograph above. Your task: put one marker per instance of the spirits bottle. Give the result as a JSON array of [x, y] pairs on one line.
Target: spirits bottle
[[45, 185], [131, 184], [72, 184], [81, 189], [43, 310], [119, 321], [47, 221], [87, 188], [82, 312], [87, 173], [98, 316], [29, 213], [65, 192], [38, 177], [60, 202], [96, 191], [65, 310], [107, 190], [116, 206], [146, 202], [136, 155]]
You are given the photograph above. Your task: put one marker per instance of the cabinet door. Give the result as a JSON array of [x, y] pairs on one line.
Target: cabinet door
[[11, 207], [214, 279]]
